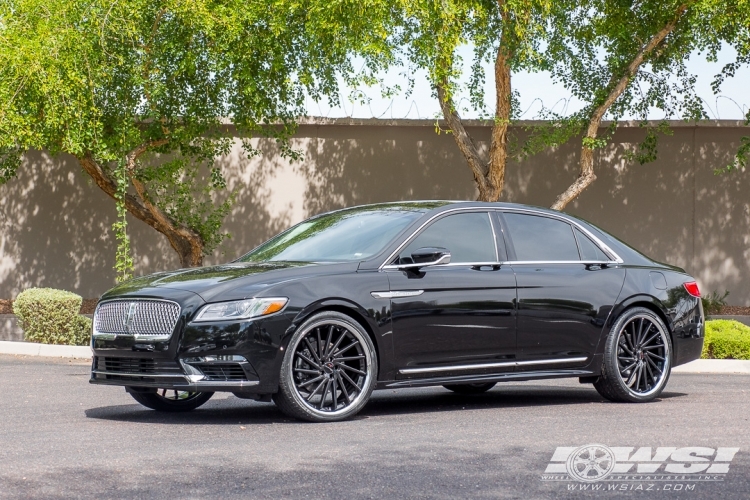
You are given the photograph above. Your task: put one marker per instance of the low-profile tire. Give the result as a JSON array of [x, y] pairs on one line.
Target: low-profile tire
[[477, 388], [329, 370], [171, 400], [637, 358]]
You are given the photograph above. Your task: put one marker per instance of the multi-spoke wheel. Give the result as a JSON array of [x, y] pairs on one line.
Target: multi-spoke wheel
[[477, 388], [637, 358], [171, 400], [329, 369]]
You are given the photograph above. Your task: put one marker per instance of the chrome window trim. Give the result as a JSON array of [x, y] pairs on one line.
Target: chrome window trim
[[112, 336], [616, 259], [511, 262], [452, 264], [494, 234], [547, 262], [428, 221], [505, 364]]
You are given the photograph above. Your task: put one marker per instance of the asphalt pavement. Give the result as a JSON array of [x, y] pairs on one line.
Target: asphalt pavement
[[61, 437]]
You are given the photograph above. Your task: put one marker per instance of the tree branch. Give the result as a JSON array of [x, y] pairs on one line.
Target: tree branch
[[463, 139], [109, 186], [130, 163], [185, 241], [586, 175]]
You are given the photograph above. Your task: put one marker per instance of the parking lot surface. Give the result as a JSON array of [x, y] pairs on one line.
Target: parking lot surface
[[61, 437]]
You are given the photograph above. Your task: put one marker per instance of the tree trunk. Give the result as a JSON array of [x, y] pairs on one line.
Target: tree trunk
[[190, 250], [489, 176], [186, 242], [586, 175], [499, 144]]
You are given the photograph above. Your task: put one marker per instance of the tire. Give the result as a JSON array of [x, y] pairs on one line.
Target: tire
[[329, 370], [637, 358], [478, 388], [170, 400]]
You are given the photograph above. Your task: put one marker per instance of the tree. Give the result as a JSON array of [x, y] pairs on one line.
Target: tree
[[506, 32], [733, 29], [622, 57], [143, 93]]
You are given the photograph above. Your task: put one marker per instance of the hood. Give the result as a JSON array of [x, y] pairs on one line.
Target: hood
[[228, 281]]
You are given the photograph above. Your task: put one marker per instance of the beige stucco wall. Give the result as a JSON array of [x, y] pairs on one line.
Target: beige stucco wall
[[55, 224]]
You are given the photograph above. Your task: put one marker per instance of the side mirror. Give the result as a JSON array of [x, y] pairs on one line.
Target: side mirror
[[428, 256]]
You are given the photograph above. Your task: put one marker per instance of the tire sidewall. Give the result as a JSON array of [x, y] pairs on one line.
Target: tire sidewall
[[610, 355], [286, 379], [156, 402]]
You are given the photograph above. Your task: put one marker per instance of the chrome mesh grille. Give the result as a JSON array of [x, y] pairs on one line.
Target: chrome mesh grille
[[136, 317]]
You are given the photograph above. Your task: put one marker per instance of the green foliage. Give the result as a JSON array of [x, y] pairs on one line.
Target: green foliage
[[144, 80], [50, 316], [430, 34], [123, 257], [741, 158], [726, 339], [647, 150], [714, 301], [591, 44]]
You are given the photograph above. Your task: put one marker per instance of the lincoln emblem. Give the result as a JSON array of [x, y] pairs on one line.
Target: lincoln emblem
[[128, 320]]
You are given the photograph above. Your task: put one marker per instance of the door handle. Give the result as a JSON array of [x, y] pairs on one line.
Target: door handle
[[486, 267]]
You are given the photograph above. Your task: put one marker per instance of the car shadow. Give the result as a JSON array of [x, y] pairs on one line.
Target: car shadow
[[234, 411]]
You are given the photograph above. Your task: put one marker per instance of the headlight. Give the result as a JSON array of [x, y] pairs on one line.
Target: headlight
[[240, 309]]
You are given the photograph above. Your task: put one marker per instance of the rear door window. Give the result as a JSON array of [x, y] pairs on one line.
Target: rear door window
[[537, 238]]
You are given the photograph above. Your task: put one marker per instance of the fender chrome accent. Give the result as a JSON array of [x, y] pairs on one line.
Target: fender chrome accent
[[505, 364], [396, 294]]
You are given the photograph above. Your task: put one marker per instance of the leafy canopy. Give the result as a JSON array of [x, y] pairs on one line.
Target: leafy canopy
[[120, 83]]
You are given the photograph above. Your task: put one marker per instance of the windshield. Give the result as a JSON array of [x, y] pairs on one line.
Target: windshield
[[345, 235]]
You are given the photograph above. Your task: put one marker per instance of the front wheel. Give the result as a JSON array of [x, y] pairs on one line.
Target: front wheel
[[329, 370], [637, 358], [171, 400], [477, 388]]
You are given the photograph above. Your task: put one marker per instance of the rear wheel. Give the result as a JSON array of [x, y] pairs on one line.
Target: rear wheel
[[329, 370], [477, 388], [171, 400], [637, 358]]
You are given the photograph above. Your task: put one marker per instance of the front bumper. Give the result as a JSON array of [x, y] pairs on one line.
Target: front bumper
[[240, 357], [233, 374]]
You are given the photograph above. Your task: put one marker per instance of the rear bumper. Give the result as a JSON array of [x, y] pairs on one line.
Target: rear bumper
[[688, 333]]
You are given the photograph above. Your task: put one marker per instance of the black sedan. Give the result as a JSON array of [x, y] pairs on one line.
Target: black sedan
[[458, 294]]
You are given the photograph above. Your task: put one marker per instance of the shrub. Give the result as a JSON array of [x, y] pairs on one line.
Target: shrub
[[726, 339], [714, 302], [50, 316]]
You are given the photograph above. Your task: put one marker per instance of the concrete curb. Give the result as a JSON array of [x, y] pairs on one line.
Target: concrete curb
[[52, 351], [714, 366]]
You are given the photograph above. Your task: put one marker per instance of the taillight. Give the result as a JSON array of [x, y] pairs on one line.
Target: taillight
[[692, 288]]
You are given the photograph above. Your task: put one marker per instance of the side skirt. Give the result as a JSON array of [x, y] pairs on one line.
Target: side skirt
[[490, 377]]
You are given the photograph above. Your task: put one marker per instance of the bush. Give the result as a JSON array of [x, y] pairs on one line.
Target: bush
[[50, 316], [726, 339], [714, 302]]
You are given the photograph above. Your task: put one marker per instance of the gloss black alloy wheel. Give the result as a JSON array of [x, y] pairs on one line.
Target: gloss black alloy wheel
[[172, 400], [329, 369], [637, 358], [477, 388]]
